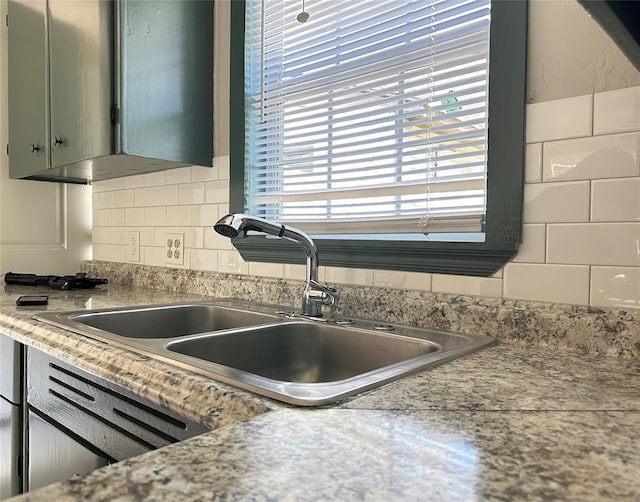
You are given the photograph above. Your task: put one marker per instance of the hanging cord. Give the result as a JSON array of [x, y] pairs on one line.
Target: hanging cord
[[262, 61], [303, 17]]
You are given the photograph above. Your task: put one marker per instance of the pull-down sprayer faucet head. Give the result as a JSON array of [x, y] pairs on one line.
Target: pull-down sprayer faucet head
[[237, 225]]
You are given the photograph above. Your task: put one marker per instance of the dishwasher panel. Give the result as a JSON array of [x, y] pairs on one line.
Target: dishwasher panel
[[106, 416], [55, 456]]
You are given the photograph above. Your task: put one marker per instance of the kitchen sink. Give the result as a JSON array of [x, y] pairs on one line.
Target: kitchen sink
[[270, 350]]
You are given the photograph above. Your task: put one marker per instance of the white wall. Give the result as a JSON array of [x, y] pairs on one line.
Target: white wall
[[45, 228], [582, 197], [570, 55]]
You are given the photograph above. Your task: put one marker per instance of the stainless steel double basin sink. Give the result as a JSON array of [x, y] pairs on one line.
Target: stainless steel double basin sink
[[269, 350]]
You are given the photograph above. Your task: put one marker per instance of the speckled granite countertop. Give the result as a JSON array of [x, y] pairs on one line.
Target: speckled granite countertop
[[510, 422], [210, 403]]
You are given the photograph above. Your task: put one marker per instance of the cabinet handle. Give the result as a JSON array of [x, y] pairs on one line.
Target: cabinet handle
[[33, 148], [55, 141]]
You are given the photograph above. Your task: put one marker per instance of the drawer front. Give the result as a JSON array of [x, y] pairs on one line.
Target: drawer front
[[107, 416]]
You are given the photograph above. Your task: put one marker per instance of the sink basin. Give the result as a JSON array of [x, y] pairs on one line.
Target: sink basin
[[267, 350], [303, 352], [170, 321]]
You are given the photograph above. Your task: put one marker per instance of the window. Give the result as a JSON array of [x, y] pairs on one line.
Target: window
[[392, 132]]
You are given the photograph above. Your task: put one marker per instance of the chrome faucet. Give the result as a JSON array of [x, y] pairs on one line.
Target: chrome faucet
[[315, 294]]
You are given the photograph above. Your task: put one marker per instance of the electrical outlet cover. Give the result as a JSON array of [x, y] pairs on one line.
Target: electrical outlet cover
[[133, 246], [174, 249]]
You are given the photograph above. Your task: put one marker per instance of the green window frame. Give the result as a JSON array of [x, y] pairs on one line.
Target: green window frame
[[505, 170]]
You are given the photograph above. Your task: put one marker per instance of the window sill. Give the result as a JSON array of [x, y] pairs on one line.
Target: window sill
[[474, 259]]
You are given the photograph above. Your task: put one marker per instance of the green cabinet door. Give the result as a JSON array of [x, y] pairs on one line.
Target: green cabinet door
[[80, 53], [28, 133]]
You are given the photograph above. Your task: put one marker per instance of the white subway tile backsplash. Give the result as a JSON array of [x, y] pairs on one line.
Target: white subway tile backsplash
[[223, 165], [216, 191], [97, 218], [358, 276], [467, 285], [154, 256], [612, 156], [124, 198], [615, 287], [615, 244], [107, 185], [617, 111], [223, 209], [155, 179], [147, 236], [109, 235], [556, 202], [200, 173], [135, 181], [109, 252], [559, 119], [266, 269], [99, 251], [194, 237], [155, 216], [296, 272], [156, 196], [615, 200], [108, 217], [178, 175], [179, 216], [204, 259], [117, 253], [204, 215], [533, 163], [134, 216], [532, 249], [547, 283], [402, 280], [107, 200], [213, 240], [160, 237], [97, 235], [231, 262], [95, 200], [191, 193]]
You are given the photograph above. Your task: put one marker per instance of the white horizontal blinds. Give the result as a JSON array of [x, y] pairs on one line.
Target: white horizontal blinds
[[371, 117]]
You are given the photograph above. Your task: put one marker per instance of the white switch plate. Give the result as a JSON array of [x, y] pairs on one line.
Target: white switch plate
[[174, 249], [133, 246]]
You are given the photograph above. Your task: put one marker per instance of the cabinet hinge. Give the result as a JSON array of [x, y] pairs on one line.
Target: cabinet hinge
[[6, 20], [7, 149], [114, 115]]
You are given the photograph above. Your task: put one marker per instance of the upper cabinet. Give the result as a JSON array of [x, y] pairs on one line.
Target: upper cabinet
[[101, 89]]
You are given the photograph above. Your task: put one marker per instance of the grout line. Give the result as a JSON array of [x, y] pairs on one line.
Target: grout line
[[593, 113], [589, 292], [546, 242]]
